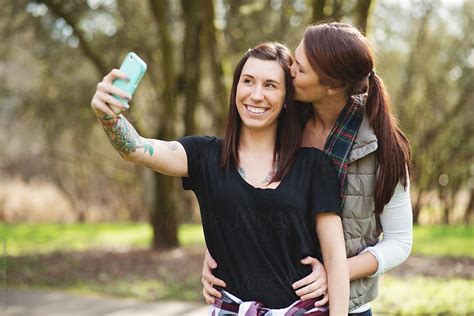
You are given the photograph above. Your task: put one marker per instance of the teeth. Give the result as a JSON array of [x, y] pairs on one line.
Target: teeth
[[256, 110]]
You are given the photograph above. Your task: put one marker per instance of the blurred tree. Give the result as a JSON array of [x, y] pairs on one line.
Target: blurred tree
[[52, 51], [434, 104]]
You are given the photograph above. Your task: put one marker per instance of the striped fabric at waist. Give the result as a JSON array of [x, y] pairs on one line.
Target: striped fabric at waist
[[231, 305]]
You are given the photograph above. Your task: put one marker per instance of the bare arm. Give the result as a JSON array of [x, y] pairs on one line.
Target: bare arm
[[331, 238], [164, 157], [392, 250]]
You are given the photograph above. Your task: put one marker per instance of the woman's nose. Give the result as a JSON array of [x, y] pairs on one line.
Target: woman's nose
[[293, 71], [257, 94]]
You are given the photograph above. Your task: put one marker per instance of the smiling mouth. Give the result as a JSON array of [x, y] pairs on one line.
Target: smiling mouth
[[255, 110]]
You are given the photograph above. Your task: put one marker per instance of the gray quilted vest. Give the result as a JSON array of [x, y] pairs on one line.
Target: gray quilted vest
[[361, 226]]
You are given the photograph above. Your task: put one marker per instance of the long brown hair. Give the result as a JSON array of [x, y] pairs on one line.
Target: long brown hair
[[341, 57], [289, 132]]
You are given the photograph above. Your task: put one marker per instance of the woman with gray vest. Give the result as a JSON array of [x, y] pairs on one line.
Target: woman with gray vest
[[346, 113]]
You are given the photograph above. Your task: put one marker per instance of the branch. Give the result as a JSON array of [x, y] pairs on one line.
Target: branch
[[86, 48]]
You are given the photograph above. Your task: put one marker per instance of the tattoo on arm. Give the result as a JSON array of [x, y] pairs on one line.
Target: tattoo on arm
[[123, 136], [172, 146], [241, 172]]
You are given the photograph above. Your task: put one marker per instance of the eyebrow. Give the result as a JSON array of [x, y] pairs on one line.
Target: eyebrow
[[299, 64], [268, 80]]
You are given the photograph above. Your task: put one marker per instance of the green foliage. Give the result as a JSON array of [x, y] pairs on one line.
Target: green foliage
[[424, 296]]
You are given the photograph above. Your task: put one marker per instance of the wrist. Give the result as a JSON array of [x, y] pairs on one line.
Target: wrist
[[108, 120]]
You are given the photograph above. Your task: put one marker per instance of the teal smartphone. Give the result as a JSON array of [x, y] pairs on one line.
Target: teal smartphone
[[134, 67]]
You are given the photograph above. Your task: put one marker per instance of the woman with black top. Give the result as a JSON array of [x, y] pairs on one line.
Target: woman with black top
[[349, 117], [265, 202]]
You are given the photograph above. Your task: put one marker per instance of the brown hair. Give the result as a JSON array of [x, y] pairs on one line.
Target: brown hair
[[341, 57], [289, 132]]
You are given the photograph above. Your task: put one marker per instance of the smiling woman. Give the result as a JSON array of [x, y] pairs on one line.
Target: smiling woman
[[265, 202], [262, 89]]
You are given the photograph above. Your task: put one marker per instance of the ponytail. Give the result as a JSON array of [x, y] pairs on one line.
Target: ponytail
[[342, 57], [393, 154]]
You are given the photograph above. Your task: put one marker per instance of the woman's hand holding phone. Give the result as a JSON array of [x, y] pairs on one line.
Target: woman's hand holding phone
[[115, 90], [103, 102]]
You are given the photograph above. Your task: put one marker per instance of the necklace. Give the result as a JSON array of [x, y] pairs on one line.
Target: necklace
[[320, 136]]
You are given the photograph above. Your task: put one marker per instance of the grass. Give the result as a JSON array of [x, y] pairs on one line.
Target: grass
[[424, 296], [401, 296], [454, 241], [23, 239]]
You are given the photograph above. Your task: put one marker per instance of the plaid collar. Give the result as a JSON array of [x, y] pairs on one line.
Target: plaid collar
[[342, 137]]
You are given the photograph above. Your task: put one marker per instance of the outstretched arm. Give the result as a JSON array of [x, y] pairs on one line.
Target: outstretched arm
[[164, 157]]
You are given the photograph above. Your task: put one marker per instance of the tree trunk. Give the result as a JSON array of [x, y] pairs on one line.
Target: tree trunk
[[362, 12], [285, 13], [163, 213], [216, 61], [411, 68], [337, 13], [318, 11], [445, 197], [193, 16], [469, 211], [417, 208]]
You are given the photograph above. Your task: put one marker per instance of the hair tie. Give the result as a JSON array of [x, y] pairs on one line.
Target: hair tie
[[371, 73]]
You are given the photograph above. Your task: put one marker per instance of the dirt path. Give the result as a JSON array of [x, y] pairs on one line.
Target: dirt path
[[179, 269], [54, 303], [444, 267]]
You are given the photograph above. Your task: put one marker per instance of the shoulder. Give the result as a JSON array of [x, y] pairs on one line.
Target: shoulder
[[201, 146], [311, 156], [207, 142]]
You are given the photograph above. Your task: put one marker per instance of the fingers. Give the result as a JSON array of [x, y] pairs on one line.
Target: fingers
[[101, 108], [111, 101], [110, 89], [210, 261], [209, 264], [309, 289], [209, 277], [103, 102], [209, 299], [312, 277], [114, 74], [209, 289], [322, 301], [316, 293], [310, 260]]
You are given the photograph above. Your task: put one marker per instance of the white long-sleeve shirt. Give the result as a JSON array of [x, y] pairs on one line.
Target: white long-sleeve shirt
[[397, 228]]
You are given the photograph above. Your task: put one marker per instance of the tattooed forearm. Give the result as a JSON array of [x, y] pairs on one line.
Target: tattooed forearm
[[123, 136]]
